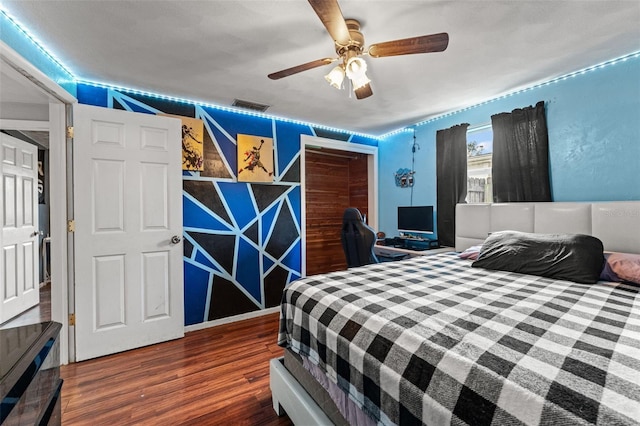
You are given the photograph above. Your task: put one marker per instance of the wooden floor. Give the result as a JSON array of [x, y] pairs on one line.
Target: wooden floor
[[215, 376]]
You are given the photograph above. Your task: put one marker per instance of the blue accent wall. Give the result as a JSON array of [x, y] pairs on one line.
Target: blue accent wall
[[593, 120], [241, 240]]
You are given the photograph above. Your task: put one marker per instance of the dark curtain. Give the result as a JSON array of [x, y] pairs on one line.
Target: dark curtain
[[451, 174], [520, 168]]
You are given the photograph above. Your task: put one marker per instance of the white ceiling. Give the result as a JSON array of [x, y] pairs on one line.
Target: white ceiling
[[215, 51]]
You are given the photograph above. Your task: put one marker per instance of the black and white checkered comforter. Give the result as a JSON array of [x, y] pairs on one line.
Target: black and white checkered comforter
[[431, 340]]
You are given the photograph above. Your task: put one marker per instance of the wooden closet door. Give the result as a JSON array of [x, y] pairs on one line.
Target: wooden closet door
[[335, 180]]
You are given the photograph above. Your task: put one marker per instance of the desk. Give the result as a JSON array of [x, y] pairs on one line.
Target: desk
[[394, 251]]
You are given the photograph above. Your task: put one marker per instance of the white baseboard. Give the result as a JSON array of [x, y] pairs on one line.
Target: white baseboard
[[227, 320]]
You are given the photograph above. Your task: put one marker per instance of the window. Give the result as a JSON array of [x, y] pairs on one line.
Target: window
[[479, 153]]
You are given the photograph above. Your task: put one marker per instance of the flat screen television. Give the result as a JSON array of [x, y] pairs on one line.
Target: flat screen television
[[415, 219]]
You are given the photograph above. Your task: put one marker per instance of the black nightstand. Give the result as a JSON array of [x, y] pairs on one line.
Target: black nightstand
[[30, 382]]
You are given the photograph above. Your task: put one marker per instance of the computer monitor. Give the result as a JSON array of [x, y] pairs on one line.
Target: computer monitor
[[415, 219]]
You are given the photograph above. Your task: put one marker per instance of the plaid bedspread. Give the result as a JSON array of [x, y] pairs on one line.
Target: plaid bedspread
[[430, 340]]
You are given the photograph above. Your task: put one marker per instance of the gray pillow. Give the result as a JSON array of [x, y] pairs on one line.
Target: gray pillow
[[573, 257]]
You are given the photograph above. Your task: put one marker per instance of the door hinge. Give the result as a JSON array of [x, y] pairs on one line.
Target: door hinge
[[70, 132], [71, 226], [72, 319]]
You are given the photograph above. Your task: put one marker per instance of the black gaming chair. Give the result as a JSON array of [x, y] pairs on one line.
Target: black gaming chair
[[358, 239]]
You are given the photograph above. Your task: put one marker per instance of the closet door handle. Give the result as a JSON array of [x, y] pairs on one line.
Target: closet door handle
[[175, 239]]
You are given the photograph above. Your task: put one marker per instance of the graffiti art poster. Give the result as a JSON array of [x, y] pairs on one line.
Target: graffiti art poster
[[192, 142], [255, 159]]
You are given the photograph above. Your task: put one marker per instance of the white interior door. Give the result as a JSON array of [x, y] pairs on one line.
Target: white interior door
[[19, 288], [128, 230]]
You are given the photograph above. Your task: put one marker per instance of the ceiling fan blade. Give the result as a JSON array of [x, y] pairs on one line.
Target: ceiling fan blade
[[364, 91], [331, 16], [299, 68], [408, 46]]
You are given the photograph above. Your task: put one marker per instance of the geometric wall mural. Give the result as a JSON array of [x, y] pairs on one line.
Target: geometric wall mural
[[247, 240], [242, 241]]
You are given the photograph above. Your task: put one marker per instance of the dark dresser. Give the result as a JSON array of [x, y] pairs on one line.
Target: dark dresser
[[30, 382]]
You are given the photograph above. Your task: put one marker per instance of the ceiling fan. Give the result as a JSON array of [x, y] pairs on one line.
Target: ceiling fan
[[349, 43]]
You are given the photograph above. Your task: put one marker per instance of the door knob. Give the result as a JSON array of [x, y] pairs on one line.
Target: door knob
[[175, 239], [36, 233]]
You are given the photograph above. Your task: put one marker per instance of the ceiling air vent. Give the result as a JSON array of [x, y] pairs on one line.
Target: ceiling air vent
[[253, 106]]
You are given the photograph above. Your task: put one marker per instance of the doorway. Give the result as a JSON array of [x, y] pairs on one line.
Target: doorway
[[32, 102], [334, 175]]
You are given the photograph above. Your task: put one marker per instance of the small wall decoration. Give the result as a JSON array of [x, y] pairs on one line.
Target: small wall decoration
[[192, 146], [255, 159], [42, 177], [404, 178]]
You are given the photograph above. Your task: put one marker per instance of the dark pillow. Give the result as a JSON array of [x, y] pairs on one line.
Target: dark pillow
[[573, 257]]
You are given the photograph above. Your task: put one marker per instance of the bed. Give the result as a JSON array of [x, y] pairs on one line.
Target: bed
[[434, 340]]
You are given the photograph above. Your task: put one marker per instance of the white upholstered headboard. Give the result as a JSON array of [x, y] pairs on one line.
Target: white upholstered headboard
[[615, 223]]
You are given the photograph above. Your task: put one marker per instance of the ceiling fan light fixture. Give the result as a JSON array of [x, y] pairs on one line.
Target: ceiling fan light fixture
[[356, 68], [350, 46], [335, 77]]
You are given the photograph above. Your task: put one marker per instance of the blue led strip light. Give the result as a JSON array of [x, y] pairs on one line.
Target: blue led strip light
[[546, 83], [221, 108], [37, 44], [288, 120]]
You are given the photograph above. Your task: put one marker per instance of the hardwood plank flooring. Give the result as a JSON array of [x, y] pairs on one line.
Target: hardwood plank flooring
[[215, 376]]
